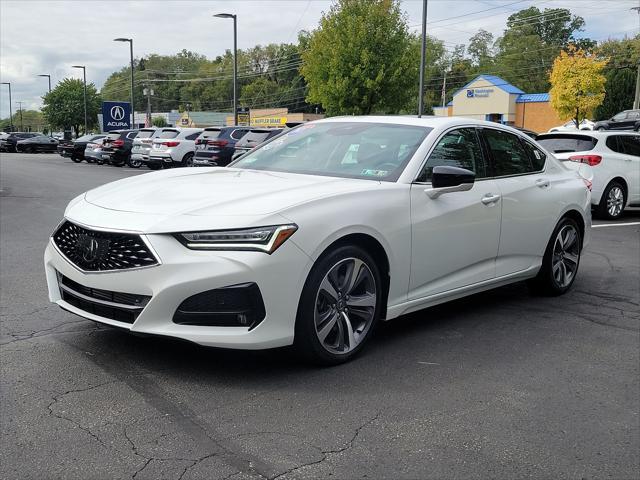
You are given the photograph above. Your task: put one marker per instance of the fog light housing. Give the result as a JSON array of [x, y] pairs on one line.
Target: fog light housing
[[233, 306]]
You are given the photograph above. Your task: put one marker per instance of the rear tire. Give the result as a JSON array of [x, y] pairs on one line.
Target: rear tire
[[187, 160], [76, 159], [338, 311], [601, 129], [134, 163], [561, 260], [613, 201]]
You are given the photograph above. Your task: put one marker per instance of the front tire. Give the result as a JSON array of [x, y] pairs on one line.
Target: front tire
[[561, 260], [340, 305], [612, 202]]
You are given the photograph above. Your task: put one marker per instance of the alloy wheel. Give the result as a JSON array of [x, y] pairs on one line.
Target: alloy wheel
[[615, 201], [345, 306], [566, 255]]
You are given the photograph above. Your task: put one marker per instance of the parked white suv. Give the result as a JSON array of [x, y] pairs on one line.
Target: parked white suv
[[613, 159], [173, 147]]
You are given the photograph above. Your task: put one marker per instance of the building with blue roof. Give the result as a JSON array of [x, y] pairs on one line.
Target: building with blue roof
[[489, 97]]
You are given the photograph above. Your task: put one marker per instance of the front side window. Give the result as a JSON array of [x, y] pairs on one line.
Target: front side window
[[509, 156], [620, 116], [372, 151], [458, 148]]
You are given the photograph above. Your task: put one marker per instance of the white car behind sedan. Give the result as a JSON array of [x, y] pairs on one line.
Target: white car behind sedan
[[173, 147], [314, 237], [613, 159]]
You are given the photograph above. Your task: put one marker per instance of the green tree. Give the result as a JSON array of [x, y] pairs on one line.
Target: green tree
[[31, 121], [359, 60], [480, 49], [64, 106], [530, 43], [159, 122], [577, 84], [623, 55]]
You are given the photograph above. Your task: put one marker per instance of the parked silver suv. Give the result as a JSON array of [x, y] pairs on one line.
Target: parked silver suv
[[142, 145]]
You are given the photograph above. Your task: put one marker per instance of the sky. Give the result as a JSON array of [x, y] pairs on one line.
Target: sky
[[47, 37]]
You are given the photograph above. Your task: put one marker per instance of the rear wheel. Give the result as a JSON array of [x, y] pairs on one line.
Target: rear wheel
[[601, 129], [187, 160], [76, 158], [561, 260], [612, 202], [339, 307], [134, 163]]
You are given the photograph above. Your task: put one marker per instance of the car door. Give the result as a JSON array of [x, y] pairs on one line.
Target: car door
[[454, 236], [619, 121], [630, 149], [529, 208]]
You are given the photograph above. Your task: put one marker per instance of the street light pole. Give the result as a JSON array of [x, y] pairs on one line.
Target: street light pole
[[235, 62], [84, 75], [130, 40], [422, 58], [636, 100], [10, 107], [49, 78]]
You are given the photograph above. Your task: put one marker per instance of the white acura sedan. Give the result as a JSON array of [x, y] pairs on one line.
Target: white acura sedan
[[316, 236]]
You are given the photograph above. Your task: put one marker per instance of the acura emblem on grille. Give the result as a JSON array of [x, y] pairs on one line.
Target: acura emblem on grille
[[94, 251]]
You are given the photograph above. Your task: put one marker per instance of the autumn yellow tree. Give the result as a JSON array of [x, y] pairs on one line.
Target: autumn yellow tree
[[577, 84]]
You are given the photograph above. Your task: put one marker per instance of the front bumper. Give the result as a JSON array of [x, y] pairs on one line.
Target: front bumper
[[183, 273]]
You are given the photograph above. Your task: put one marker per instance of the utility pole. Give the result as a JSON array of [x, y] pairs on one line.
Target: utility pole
[[422, 58], [21, 123], [148, 92], [10, 107], [636, 100], [444, 89]]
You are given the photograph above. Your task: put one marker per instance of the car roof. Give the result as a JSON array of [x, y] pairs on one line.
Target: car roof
[[588, 133]]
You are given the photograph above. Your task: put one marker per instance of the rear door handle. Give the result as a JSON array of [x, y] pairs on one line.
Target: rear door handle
[[542, 183], [490, 198]]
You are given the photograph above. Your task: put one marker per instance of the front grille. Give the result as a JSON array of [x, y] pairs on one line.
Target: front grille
[[123, 307], [96, 251]]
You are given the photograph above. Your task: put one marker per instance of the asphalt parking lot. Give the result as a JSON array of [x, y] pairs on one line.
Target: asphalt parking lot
[[500, 385]]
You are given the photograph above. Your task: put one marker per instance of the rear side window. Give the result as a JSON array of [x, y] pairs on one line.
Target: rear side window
[[168, 134], [613, 145], [567, 143], [509, 156], [630, 144], [536, 156], [192, 136], [458, 148], [132, 135]]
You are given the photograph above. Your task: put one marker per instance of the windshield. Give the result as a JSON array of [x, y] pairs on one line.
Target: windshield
[[168, 134], [567, 143], [375, 151], [145, 133]]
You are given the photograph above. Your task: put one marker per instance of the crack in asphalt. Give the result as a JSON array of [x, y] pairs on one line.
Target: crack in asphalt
[[326, 454], [20, 337], [57, 398]]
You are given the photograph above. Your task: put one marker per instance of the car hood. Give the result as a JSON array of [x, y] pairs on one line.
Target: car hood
[[215, 192]]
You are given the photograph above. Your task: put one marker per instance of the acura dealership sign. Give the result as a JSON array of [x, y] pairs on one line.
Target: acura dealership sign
[[116, 116]]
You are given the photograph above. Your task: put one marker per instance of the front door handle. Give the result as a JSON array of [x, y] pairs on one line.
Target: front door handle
[[490, 198], [542, 183]]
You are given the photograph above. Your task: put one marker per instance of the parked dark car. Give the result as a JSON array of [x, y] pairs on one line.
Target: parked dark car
[[626, 120], [116, 148], [9, 143], [39, 143], [255, 137], [215, 145], [75, 149]]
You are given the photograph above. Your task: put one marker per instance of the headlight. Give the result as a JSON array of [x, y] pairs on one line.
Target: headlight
[[262, 239]]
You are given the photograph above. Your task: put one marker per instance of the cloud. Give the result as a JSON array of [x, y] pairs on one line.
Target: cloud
[[44, 37]]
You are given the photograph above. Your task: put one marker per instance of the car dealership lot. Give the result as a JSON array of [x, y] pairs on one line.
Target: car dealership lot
[[501, 384]]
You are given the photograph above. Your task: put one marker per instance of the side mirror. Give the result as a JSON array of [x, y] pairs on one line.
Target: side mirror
[[447, 179]]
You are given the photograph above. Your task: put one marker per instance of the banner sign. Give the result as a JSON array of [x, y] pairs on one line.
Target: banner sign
[[116, 116]]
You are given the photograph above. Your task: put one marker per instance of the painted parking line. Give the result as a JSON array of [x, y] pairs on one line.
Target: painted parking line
[[615, 224]]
